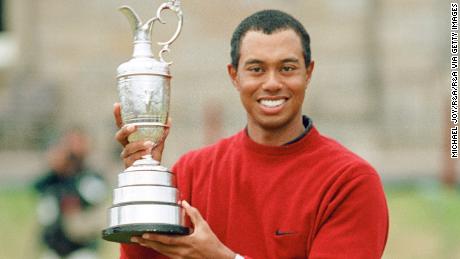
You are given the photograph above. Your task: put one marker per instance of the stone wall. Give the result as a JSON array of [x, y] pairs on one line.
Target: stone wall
[[379, 85]]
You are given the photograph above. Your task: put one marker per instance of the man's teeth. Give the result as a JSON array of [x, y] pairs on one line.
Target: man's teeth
[[272, 103]]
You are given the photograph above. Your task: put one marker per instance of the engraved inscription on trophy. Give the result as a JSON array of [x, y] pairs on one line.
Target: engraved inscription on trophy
[[145, 199]]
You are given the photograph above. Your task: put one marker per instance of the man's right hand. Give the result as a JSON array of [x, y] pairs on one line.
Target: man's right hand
[[135, 150]]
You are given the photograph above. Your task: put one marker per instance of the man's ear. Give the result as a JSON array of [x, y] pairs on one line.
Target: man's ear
[[310, 69], [233, 74]]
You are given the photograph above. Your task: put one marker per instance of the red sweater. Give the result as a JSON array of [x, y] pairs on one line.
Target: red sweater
[[310, 199]]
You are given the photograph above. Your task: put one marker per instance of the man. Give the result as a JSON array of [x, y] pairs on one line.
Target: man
[[278, 188], [71, 200]]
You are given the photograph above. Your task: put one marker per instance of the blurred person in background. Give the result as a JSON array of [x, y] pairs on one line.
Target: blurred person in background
[[71, 210]]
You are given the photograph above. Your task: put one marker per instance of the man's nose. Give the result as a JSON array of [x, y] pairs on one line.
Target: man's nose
[[272, 82]]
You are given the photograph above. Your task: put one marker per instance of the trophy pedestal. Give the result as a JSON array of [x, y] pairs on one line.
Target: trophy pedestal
[[123, 234], [145, 201]]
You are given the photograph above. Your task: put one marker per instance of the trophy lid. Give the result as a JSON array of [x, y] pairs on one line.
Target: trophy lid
[[146, 164]]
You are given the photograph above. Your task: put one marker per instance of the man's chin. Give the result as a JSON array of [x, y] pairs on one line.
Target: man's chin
[[271, 123]]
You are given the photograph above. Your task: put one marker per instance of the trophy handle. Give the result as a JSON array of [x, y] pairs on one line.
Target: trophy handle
[[173, 5]]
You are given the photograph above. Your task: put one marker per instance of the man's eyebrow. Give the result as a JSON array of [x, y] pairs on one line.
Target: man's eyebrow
[[253, 61], [291, 60], [258, 61]]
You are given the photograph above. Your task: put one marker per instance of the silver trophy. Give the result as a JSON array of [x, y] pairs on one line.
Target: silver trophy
[[146, 198]]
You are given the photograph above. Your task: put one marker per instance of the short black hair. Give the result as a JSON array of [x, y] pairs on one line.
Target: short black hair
[[268, 21]]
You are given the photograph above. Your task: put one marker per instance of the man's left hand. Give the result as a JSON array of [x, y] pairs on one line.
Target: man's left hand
[[202, 243]]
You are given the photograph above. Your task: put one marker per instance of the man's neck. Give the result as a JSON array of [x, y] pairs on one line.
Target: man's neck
[[276, 136]]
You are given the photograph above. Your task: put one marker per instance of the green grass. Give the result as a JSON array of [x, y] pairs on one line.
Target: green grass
[[16, 223], [424, 223], [19, 238]]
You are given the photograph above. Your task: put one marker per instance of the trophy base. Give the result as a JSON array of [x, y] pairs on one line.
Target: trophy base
[[123, 234]]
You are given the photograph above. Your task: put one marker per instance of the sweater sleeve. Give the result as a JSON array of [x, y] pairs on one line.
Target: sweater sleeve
[[355, 224]]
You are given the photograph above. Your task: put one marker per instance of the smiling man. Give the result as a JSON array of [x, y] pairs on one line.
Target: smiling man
[[272, 76], [278, 188]]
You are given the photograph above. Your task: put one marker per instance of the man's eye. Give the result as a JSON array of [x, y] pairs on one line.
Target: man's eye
[[287, 69], [255, 69]]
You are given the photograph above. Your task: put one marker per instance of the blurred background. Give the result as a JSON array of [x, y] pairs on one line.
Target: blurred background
[[381, 87]]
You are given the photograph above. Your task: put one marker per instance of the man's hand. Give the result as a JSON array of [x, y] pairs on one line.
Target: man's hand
[[135, 150], [202, 243]]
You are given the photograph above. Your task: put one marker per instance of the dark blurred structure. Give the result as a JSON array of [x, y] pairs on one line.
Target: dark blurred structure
[[448, 174], [71, 200], [2, 24]]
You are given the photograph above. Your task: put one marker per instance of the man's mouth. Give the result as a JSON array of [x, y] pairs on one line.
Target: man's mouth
[[272, 103]]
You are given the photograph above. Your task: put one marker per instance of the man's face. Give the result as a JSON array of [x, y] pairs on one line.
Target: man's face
[[271, 78]]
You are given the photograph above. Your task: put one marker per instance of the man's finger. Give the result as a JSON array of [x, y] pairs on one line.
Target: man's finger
[[193, 213], [168, 250], [134, 151], [134, 157], [165, 239], [122, 135], [157, 151], [135, 147], [117, 114]]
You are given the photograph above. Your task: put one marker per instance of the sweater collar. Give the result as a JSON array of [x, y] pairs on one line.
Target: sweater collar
[[307, 124], [300, 143]]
